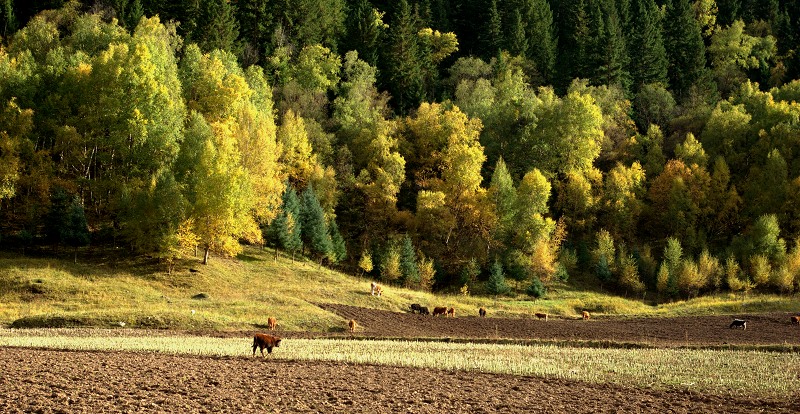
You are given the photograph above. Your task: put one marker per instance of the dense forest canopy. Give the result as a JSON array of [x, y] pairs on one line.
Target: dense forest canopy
[[647, 145]]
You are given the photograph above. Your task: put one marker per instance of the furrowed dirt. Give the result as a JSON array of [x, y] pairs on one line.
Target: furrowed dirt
[[49, 381], [46, 381]]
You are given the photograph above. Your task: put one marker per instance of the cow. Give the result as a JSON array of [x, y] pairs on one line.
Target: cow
[[439, 310], [262, 341], [375, 289], [415, 307], [482, 312], [541, 316], [353, 325], [795, 320], [585, 315], [271, 323], [451, 312], [738, 323], [423, 310]]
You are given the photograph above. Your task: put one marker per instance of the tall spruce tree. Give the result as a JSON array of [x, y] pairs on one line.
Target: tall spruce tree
[[217, 27], [607, 53], [491, 33], [403, 72], [364, 29], [8, 19], [542, 50], [686, 51], [285, 230], [314, 227], [646, 44], [573, 38], [496, 285], [338, 244], [255, 29], [408, 263]]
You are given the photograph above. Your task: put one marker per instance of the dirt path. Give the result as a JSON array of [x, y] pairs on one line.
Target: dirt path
[[35, 381]]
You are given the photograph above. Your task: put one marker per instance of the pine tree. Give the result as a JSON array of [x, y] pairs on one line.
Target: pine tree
[[491, 36], [573, 39], [255, 21], [338, 245], [314, 227], [536, 288], [8, 20], [542, 50], [608, 53], [686, 51], [496, 285], [408, 263], [403, 67], [517, 41], [217, 27], [76, 230], [646, 45], [285, 230], [364, 29]]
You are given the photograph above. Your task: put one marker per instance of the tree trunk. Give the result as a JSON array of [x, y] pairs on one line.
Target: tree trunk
[[76, 256], [205, 256], [276, 253]]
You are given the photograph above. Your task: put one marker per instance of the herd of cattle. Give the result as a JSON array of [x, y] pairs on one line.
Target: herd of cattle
[[261, 341]]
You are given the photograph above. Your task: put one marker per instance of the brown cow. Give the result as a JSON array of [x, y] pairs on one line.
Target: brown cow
[[271, 323], [262, 341], [482, 312], [439, 310], [451, 312], [542, 316], [375, 289], [585, 315], [353, 325], [795, 320]]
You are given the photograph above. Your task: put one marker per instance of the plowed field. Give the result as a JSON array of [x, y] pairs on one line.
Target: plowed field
[[33, 380]]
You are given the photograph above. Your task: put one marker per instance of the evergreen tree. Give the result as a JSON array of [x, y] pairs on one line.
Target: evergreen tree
[[285, 230], [496, 285], [408, 263], [573, 39], [56, 219], [217, 27], [255, 25], [338, 245], [491, 35], [75, 232], [8, 20], [517, 41], [364, 29], [542, 50], [646, 44], [608, 56], [686, 51], [403, 72], [314, 227], [536, 289]]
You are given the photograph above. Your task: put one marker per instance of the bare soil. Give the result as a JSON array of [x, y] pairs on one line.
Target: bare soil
[[47, 381]]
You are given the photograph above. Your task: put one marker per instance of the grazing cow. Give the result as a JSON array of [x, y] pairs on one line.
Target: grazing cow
[[451, 312], [271, 323], [482, 312], [439, 310], [542, 316], [795, 320], [375, 289], [585, 315], [353, 325], [423, 310], [738, 323], [415, 307], [262, 341]]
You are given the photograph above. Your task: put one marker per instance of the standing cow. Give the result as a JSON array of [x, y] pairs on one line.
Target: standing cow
[[416, 308], [482, 312], [795, 320], [738, 323], [439, 310], [272, 323]]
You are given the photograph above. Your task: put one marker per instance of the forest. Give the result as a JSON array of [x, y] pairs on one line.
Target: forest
[[645, 146]]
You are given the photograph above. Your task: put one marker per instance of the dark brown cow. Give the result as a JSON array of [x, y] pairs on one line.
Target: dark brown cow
[[262, 341], [451, 312], [795, 320], [541, 316], [482, 312], [439, 310], [271, 323]]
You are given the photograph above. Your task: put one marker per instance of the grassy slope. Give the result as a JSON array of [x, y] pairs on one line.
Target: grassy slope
[[242, 293]]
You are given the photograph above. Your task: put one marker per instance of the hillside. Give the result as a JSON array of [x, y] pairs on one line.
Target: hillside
[[239, 294]]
